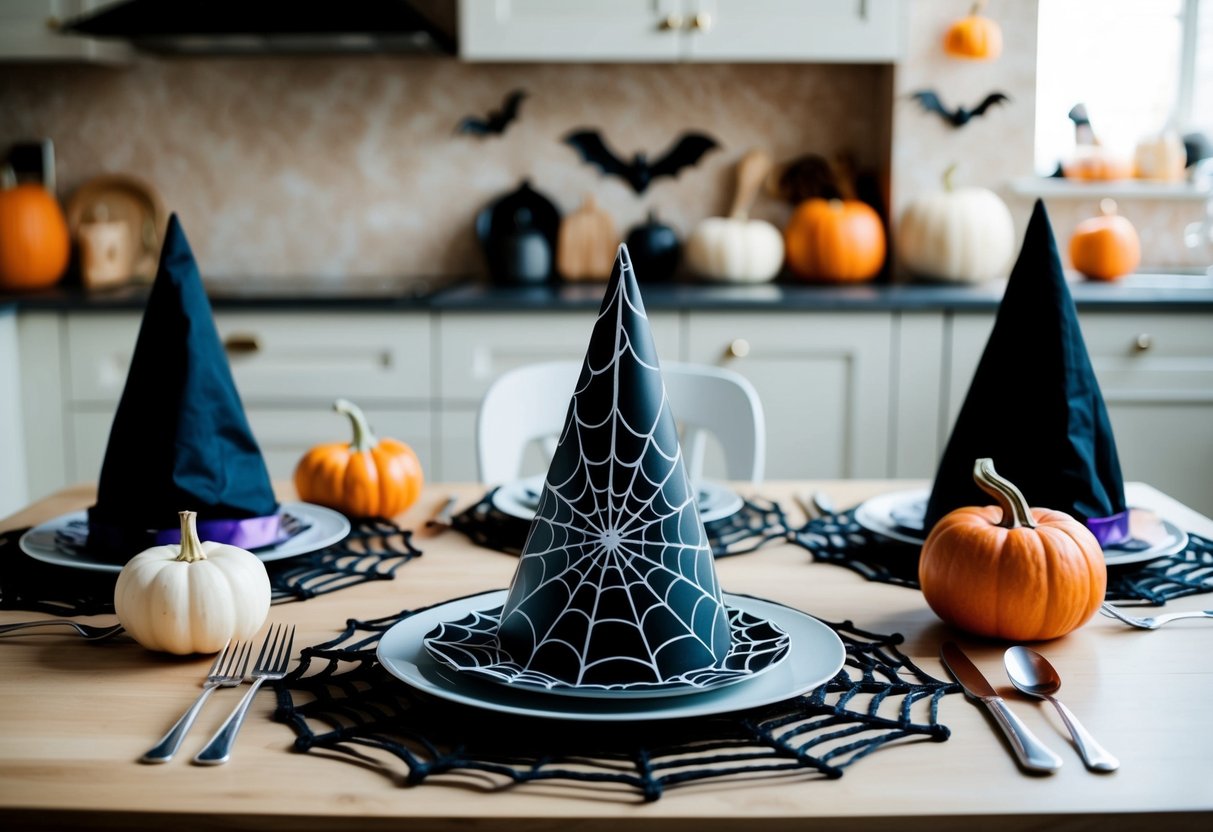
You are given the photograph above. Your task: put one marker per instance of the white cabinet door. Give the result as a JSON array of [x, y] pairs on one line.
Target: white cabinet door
[[1156, 374], [820, 31], [824, 380], [559, 30], [13, 491], [28, 32]]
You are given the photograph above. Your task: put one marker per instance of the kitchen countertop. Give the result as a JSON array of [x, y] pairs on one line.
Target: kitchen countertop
[[1156, 292]]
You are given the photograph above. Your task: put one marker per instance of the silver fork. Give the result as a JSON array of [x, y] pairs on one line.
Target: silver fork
[[272, 662], [227, 671], [89, 631], [1153, 622]]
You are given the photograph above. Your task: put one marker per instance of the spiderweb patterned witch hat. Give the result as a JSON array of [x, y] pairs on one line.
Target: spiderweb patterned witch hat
[[616, 588]]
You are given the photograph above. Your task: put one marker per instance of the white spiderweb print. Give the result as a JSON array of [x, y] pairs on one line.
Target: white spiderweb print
[[616, 587]]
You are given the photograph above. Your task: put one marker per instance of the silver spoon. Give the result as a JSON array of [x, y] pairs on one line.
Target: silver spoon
[[1031, 673]]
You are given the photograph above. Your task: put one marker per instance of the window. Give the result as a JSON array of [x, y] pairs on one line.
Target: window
[[1137, 65]]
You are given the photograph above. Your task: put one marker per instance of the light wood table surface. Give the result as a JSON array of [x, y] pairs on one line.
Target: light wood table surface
[[75, 716]]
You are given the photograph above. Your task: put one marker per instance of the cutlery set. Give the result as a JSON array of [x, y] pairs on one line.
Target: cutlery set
[[1031, 674]]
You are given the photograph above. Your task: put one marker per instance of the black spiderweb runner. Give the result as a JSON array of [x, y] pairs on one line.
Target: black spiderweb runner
[[340, 699], [840, 540]]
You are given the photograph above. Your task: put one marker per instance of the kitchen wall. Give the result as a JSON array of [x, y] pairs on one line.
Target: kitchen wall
[[334, 167]]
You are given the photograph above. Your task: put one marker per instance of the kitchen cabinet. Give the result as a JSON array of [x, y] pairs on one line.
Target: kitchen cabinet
[[28, 32], [13, 494], [1155, 371], [855, 31]]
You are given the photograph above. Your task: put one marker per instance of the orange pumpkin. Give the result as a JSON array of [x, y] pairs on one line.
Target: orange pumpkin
[[975, 38], [1096, 163], [1011, 572], [34, 241], [1105, 247], [835, 240], [369, 477]]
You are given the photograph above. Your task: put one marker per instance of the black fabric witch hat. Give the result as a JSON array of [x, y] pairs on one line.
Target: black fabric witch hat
[[616, 587], [180, 439], [1034, 405]]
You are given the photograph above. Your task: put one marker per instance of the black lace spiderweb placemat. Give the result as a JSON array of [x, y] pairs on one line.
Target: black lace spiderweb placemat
[[757, 523], [839, 539], [372, 551], [340, 699]]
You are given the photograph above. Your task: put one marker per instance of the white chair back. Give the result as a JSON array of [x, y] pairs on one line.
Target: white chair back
[[529, 404]]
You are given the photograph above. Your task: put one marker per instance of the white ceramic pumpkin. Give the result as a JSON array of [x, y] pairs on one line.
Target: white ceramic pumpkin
[[963, 235], [735, 250], [1160, 157], [192, 597]]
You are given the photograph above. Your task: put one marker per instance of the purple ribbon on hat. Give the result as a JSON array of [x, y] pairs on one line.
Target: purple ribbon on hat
[[247, 533], [1110, 530]]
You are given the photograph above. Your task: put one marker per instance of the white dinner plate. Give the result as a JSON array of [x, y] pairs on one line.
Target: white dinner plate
[[520, 499], [815, 655], [899, 516], [43, 542]]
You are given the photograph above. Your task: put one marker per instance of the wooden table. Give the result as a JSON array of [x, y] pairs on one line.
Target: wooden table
[[75, 716]]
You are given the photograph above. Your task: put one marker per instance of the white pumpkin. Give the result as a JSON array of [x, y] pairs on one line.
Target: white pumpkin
[[1161, 157], [738, 250], [192, 597], [963, 235]]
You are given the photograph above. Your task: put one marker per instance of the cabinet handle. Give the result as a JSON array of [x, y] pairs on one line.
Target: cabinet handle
[[241, 344], [671, 23], [701, 22], [1143, 342], [738, 348]]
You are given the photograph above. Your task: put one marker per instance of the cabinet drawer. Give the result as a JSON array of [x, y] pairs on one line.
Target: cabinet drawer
[[1144, 356], [274, 358], [477, 348]]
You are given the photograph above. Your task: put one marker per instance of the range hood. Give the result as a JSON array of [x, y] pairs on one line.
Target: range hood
[[250, 27]]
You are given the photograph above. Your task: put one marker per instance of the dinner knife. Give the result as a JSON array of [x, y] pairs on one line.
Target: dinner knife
[[441, 521], [1031, 752]]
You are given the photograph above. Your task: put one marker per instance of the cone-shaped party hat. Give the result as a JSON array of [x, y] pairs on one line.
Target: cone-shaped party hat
[[616, 586], [180, 439], [1034, 405]]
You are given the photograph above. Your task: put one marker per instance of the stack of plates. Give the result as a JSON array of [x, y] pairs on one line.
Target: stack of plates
[[521, 499]]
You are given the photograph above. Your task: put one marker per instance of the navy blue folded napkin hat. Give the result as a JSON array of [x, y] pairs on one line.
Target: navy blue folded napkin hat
[[180, 439], [1034, 405], [616, 587]]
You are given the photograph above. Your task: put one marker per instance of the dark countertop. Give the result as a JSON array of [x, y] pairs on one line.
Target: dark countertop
[[1157, 292]]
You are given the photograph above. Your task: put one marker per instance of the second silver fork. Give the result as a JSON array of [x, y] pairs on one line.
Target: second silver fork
[[272, 662], [1152, 622], [228, 671]]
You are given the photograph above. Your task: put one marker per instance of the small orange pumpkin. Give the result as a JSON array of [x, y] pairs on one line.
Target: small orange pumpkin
[[1011, 572], [369, 477], [34, 240], [835, 241], [1105, 247], [975, 38]]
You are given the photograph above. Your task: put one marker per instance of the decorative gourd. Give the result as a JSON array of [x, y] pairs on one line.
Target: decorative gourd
[[1161, 157], [975, 37], [1011, 572], [368, 477], [1096, 163], [1105, 247], [737, 249], [835, 241], [193, 596], [586, 244], [964, 235], [655, 250], [34, 240]]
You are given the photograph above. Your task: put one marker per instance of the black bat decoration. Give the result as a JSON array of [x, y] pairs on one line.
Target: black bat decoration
[[687, 150], [960, 116], [497, 120]]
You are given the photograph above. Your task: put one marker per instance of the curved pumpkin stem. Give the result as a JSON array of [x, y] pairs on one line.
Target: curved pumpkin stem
[[363, 440], [979, 6], [1015, 511], [948, 184], [191, 546]]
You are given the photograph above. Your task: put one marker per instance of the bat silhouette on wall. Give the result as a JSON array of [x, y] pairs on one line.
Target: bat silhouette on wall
[[687, 150], [960, 116], [497, 120]]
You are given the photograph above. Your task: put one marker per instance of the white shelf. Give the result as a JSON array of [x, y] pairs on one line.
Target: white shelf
[[1057, 188]]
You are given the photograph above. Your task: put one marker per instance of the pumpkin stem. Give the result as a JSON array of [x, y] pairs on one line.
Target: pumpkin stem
[[191, 546], [978, 7], [8, 177], [363, 440], [1107, 207], [948, 184], [1015, 511]]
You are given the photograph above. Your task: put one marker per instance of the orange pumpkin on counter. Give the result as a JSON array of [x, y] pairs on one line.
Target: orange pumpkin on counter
[[1011, 572], [34, 240], [835, 241], [975, 37], [1105, 247], [367, 477]]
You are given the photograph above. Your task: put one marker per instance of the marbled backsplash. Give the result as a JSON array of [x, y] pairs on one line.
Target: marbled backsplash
[[331, 167]]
